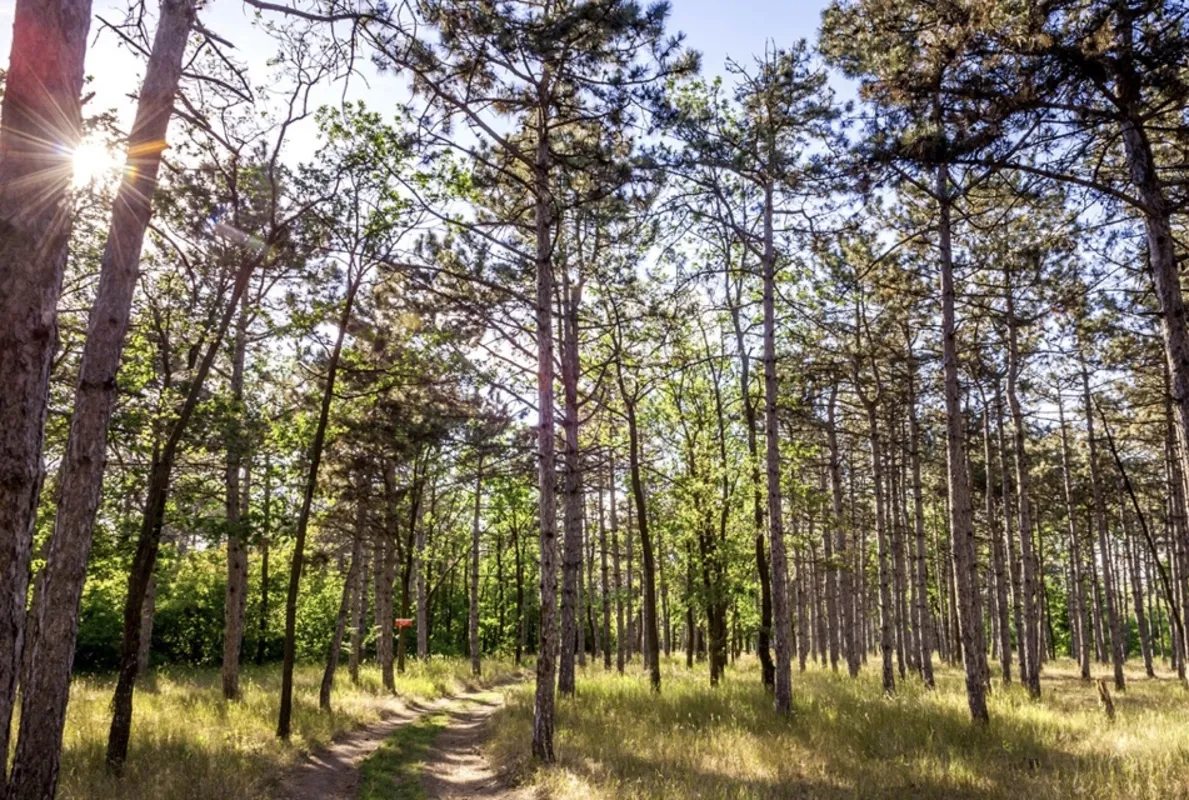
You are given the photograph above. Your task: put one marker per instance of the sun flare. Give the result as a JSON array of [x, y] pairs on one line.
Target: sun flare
[[93, 161]]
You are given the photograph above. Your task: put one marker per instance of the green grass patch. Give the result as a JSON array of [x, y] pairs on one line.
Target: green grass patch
[[846, 740], [393, 771]]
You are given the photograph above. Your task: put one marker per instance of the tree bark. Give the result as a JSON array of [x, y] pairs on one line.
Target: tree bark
[[961, 523], [473, 601], [235, 596], [783, 685], [604, 598], [55, 613], [921, 570], [572, 491], [265, 532], [544, 213], [39, 128]]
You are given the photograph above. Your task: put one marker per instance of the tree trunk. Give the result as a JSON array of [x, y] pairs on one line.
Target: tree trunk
[[543, 709], [572, 490], [350, 586], [997, 555], [886, 645], [421, 573], [473, 603], [55, 613], [921, 570], [39, 129], [303, 514], [265, 531], [236, 594], [763, 643], [603, 595], [620, 633], [651, 638], [961, 523], [358, 613], [783, 686], [149, 540], [1031, 644], [848, 642], [1137, 592], [1108, 584], [1078, 604]]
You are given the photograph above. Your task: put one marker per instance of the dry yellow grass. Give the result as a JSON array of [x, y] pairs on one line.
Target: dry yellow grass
[[617, 740], [189, 744]]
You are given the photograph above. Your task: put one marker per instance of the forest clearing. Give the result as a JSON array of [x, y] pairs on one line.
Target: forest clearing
[[553, 399]]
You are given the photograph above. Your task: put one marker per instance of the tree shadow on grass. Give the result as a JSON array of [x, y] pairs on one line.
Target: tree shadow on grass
[[845, 740]]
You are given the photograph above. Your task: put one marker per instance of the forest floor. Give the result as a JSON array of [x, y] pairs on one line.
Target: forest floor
[[617, 739], [190, 744]]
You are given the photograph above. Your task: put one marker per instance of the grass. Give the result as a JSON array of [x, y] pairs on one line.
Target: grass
[[392, 772], [846, 740], [188, 743]]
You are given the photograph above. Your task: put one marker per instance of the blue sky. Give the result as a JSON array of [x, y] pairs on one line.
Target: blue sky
[[739, 28]]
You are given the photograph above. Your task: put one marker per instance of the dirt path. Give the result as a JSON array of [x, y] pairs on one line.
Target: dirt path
[[332, 772], [455, 768]]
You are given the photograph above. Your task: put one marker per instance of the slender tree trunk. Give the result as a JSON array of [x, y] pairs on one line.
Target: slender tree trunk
[[1137, 592], [52, 58], [620, 633], [1078, 604], [473, 604], [783, 686], [39, 129], [996, 553], [763, 643], [303, 515], [543, 710], [236, 594], [265, 532], [921, 571], [149, 540], [886, 645], [845, 584], [358, 613], [421, 568], [350, 586], [651, 637], [1108, 584], [604, 599], [1031, 644], [387, 551], [572, 491], [961, 523], [519, 568]]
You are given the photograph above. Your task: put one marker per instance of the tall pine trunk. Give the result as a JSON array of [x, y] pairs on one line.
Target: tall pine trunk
[[960, 513], [783, 685]]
